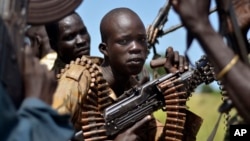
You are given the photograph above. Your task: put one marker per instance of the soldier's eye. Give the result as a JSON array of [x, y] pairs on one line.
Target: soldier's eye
[[144, 39], [69, 37], [83, 32], [123, 42]]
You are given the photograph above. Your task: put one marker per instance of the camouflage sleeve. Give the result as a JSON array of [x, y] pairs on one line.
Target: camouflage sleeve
[[73, 86], [82, 92]]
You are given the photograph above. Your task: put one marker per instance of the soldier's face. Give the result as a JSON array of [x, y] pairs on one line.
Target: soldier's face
[[74, 39], [127, 45]]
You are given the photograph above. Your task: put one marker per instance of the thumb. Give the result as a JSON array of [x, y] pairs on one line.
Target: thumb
[[169, 51], [140, 123]]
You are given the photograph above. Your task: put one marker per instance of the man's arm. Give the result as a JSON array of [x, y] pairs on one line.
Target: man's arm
[[37, 121], [194, 15]]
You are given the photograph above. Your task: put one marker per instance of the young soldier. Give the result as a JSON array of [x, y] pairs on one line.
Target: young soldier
[[86, 89]]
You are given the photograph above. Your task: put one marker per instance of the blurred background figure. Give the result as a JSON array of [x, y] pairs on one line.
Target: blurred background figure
[[26, 86], [39, 42], [69, 37]]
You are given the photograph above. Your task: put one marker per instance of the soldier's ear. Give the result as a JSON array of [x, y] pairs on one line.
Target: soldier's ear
[[38, 39], [103, 49]]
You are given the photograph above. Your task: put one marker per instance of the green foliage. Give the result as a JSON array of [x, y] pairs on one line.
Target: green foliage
[[161, 71], [155, 73], [206, 106], [205, 89]]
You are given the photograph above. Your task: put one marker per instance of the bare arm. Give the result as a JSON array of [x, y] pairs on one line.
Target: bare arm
[[194, 15]]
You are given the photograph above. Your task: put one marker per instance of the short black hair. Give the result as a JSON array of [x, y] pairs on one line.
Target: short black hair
[[109, 17], [52, 30]]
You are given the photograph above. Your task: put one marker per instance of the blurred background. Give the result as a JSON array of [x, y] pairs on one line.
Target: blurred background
[[92, 12], [207, 98]]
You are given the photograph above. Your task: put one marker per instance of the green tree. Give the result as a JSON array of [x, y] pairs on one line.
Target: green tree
[[207, 89]]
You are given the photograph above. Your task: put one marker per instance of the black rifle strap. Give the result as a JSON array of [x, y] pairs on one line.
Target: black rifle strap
[[238, 35], [189, 40], [213, 133]]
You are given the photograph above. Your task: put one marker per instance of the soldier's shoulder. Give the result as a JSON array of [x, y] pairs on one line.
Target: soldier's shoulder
[[95, 59], [83, 66], [75, 81]]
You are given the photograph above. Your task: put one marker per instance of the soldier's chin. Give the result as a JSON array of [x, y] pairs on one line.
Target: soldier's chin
[[135, 71], [80, 54]]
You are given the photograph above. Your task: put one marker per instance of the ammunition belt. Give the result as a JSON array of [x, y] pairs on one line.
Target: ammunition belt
[[177, 94], [94, 103]]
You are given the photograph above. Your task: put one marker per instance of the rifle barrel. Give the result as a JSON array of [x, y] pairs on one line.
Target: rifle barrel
[[175, 27]]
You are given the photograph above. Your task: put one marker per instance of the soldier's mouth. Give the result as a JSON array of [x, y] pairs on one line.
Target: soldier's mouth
[[136, 61]]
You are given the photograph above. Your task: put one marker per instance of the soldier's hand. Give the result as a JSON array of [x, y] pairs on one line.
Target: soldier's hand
[[243, 16], [38, 81], [129, 134], [175, 62], [193, 13], [152, 33]]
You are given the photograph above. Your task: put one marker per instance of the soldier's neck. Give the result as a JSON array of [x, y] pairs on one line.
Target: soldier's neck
[[117, 82]]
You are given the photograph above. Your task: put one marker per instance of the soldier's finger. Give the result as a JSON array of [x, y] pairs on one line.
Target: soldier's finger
[[176, 57], [140, 123], [28, 60], [186, 64], [169, 51], [181, 65]]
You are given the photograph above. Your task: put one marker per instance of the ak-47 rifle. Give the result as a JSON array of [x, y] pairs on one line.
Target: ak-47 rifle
[[12, 25], [156, 29], [138, 102], [169, 92]]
